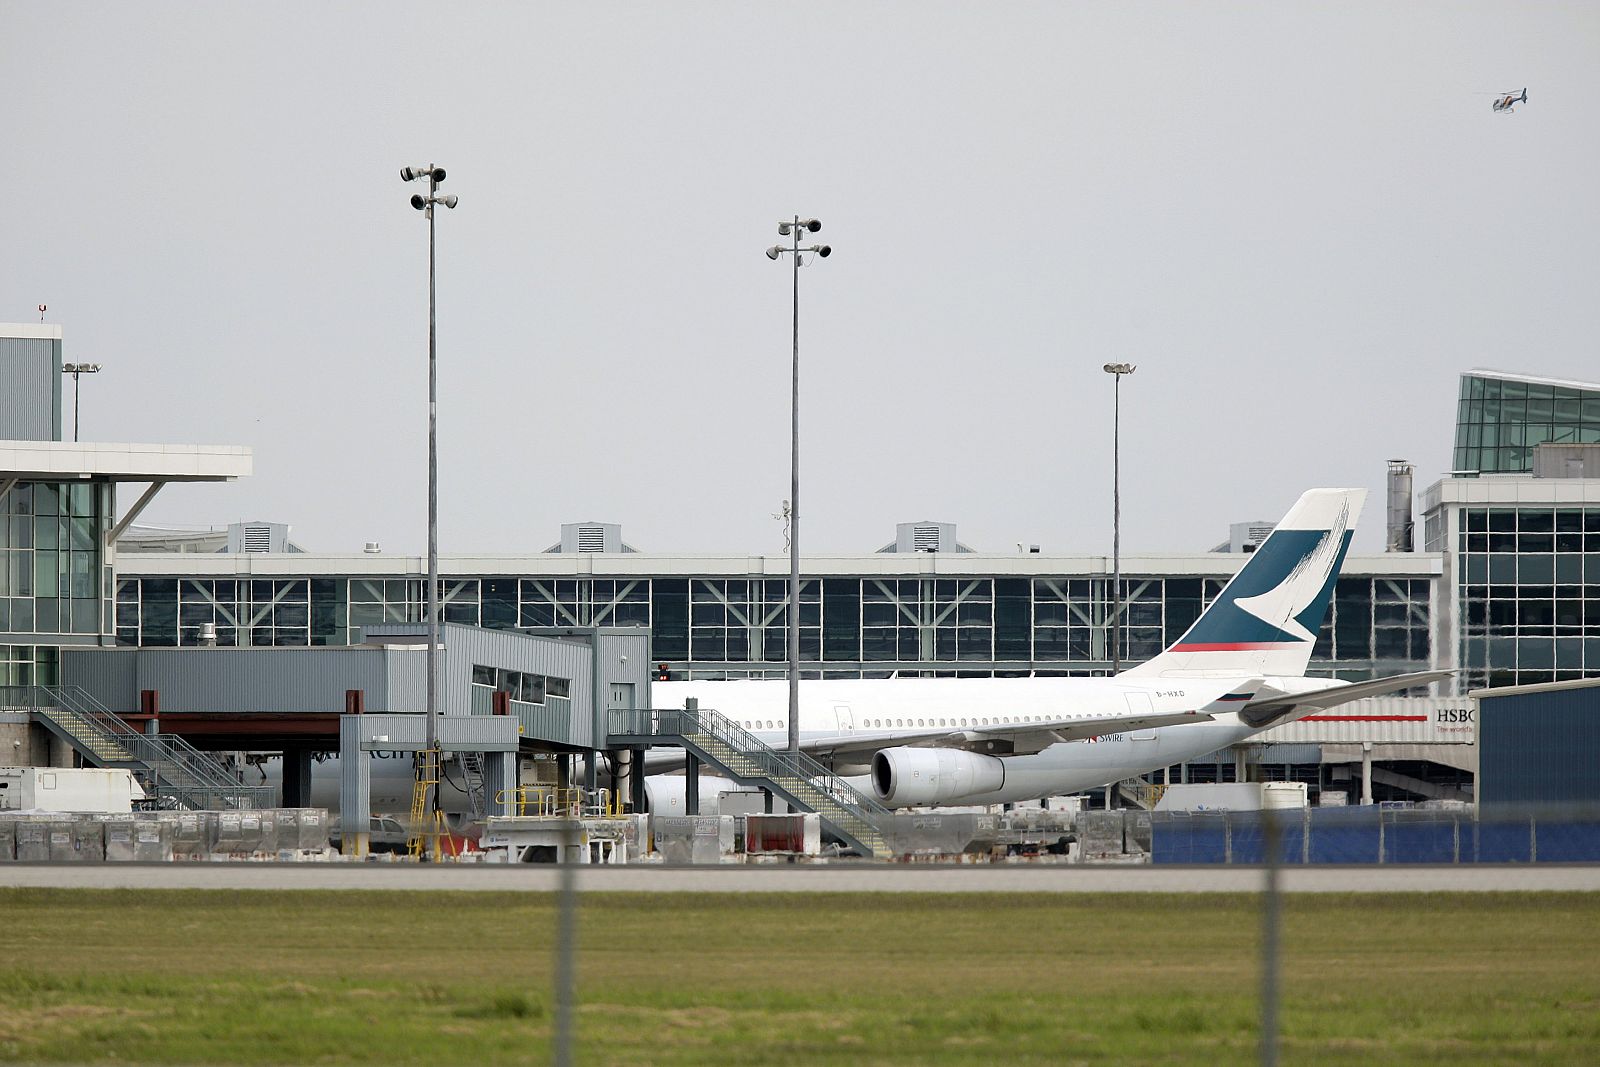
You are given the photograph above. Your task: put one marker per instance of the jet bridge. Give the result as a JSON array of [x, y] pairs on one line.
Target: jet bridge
[[806, 784], [496, 736]]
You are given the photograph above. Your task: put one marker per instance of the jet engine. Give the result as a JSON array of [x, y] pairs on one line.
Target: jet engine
[[912, 777]]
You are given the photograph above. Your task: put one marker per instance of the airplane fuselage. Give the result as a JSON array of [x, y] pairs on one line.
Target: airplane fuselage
[[894, 712]]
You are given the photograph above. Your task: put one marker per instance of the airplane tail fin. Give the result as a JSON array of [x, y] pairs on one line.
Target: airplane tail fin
[[1265, 621]]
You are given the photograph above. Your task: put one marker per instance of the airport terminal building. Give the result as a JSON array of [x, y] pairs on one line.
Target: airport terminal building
[[1505, 587]]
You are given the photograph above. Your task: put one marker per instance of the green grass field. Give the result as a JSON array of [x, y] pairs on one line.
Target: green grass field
[[347, 977]]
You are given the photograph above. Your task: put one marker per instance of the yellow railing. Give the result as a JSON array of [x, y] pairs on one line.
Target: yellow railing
[[550, 801]]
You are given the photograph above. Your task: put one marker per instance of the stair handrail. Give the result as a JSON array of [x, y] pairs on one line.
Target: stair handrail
[[685, 721], [83, 703], [173, 763]]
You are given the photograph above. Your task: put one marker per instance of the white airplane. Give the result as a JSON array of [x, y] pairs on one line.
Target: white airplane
[[1237, 671]]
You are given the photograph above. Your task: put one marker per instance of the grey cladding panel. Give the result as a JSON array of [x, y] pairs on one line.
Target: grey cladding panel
[[29, 408], [469, 646], [283, 680], [107, 675], [1538, 748]]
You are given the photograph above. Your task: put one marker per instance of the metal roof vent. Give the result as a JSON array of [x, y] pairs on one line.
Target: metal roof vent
[[925, 536], [1246, 536], [592, 537], [258, 537]]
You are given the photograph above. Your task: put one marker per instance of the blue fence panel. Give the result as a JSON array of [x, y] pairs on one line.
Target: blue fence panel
[[1372, 834], [1421, 837], [1504, 842], [1249, 836], [1345, 835], [1560, 840], [1184, 837]]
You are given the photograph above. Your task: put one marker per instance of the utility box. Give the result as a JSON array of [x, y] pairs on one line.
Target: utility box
[[1221, 796], [93, 790], [795, 835], [76, 841], [741, 802], [687, 839], [137, 838]]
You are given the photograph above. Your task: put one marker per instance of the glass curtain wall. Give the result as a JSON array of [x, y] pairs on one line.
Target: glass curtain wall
[[1530, 594], [1500, 421], [711, 627]]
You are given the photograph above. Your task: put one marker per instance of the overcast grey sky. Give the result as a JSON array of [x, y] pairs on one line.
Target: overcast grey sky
[[1301, 221]]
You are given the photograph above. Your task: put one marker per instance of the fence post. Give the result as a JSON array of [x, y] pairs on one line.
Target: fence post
[[1272, 919]]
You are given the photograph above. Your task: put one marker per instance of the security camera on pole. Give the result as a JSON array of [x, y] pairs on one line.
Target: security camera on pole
[[792, 229], [425, 803]]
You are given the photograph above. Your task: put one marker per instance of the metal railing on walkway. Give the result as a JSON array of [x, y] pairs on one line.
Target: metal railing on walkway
[[172, 771], [550, 801], [797, 778]]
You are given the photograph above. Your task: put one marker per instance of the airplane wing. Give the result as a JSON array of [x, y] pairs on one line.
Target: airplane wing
[[1023, 739], [1274, 709]]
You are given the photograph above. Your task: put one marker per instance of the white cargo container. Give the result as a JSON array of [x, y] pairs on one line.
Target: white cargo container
[[1223, 796], [1277, 796], [85, 789]]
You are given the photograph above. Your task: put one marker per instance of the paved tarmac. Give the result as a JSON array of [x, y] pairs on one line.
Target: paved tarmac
[[988, 878]]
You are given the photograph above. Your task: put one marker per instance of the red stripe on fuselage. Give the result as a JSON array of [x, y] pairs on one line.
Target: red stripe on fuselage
[[1237, 646], [1364, 718]]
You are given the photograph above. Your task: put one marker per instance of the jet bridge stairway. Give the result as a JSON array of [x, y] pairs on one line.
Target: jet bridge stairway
[[806, 784], [471, 764], [170, 769]]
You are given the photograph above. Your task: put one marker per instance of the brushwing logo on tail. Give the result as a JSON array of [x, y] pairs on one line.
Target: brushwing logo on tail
[[1281, 596], [1282, 605]]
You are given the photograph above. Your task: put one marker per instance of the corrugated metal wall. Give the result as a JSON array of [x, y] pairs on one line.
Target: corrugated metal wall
[[30, 399], [393, 678], [1540, 747], [469, 646], [244, 679], [106, 674], [229, 679]]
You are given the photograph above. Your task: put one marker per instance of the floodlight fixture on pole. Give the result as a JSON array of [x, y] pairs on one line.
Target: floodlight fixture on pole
[[425, 204], [793, 228], [1117, 370], [75, 369]]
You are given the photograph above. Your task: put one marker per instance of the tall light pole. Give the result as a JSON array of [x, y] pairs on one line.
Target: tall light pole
[[75, 369], [792, 228], [1116, 370], [425, 204]]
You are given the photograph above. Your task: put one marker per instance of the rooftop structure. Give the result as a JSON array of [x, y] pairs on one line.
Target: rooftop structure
[[1501, 418]]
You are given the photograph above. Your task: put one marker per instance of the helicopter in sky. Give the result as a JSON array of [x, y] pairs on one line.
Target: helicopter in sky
[[1504, 101]]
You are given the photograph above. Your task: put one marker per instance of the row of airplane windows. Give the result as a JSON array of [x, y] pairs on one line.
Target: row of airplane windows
[[889, 724]]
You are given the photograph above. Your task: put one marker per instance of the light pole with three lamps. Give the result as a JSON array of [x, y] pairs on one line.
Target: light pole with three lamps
[[429, 773], [1117, 370], [793, 228], [76, 369]]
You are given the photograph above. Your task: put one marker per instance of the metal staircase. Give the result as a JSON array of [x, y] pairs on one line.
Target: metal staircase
[[471, 764], [172, 771], [1140, 793], [739, 754]]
